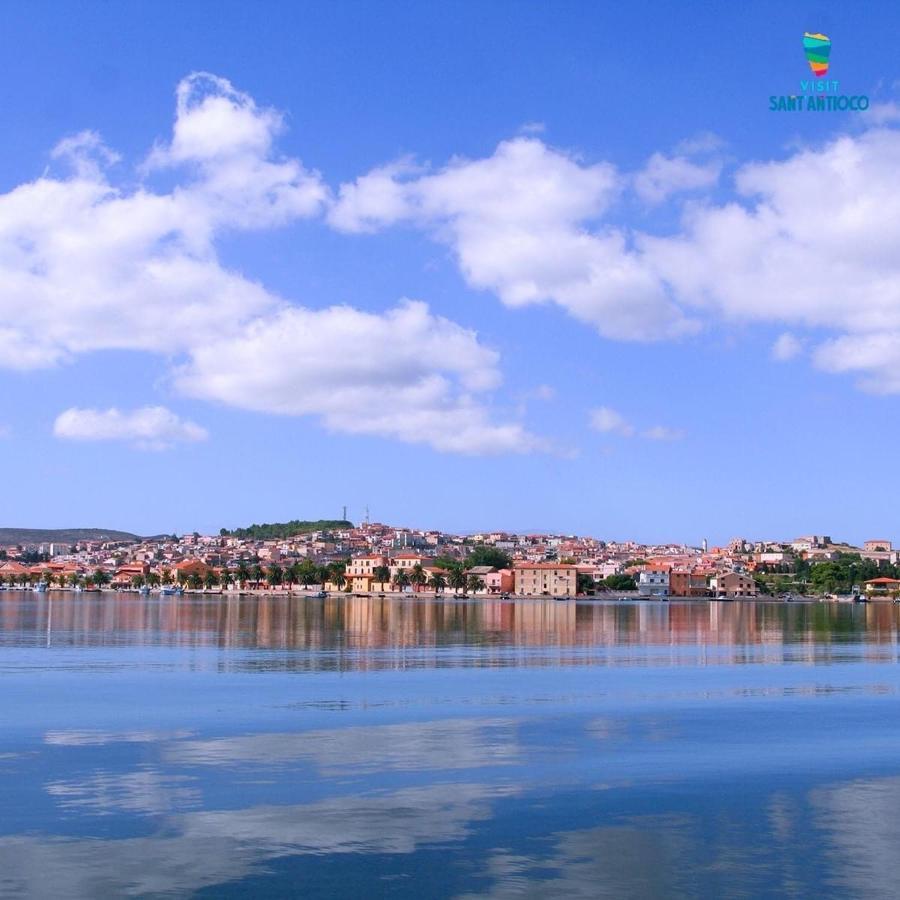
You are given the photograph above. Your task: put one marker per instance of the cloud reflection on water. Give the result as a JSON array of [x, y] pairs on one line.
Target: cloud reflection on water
[[411, 746], [203, 849]]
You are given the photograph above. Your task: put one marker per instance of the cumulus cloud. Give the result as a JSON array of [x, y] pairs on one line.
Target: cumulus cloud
[[812, 243], [406, 374], [663, 433], [609, 421], [786, 347], [516, 222], [88, 264], [874, 357], [664, 176], [808, 241], [150, 427]]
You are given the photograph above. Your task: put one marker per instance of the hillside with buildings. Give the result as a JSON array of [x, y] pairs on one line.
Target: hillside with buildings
[[378, 558]]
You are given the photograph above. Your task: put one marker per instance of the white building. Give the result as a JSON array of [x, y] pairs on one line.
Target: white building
[[653, 583]]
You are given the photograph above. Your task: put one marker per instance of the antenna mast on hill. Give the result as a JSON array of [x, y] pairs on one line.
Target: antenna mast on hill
[[344, 517], [367, 514]]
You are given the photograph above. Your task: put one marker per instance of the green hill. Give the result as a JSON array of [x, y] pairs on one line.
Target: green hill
[[275, 530], [13, 536]]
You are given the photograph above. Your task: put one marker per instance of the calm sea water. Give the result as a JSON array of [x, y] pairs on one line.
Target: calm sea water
[[404, 748]]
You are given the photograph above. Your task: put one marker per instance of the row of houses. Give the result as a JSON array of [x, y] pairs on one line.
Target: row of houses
[[662, 581]]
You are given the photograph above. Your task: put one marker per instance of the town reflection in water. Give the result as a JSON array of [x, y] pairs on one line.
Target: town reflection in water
[[356, 623], [241, 746]]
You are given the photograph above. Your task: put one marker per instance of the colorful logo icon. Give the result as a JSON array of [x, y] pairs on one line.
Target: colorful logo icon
[[817, 48]]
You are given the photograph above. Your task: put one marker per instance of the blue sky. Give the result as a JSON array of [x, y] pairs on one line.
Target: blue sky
[[644, 306]]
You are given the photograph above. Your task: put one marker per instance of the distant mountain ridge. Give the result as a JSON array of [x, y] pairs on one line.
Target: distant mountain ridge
[[11, 536]]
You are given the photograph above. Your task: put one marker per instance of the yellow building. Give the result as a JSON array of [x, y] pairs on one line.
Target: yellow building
[[546, 579]]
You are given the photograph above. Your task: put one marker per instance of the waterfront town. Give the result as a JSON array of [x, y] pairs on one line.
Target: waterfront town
[[372, 558]]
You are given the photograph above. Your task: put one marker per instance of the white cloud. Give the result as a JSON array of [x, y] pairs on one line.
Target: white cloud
[[608, 421], [664, 176], [151, 427], [810, 241], [404, 374], [516, 222], [812, 244], [786, 347], [87, 264], [876, 357], [663, 433]]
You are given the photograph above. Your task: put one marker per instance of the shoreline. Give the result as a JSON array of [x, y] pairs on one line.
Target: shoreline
[[445, 595]]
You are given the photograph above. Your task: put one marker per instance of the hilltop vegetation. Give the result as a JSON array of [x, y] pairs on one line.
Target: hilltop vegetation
[[14, 536], [273, 531]]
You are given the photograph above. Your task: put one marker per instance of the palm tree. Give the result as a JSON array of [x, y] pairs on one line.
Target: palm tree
[[306, 572], [437, 582], [153, 579], [166, 576], [257, 574], [457, 579], [381, 574], [194, 581], [210, 580], [137, 581], [100, 578], [227, 578], [73, 579], [475, 584], [418, 576], [182, 577], [274, 575], [338, 578], [243, 574], [401, 578]]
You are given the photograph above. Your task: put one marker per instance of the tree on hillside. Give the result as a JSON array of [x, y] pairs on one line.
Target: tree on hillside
[[620, 583], [483, 555]]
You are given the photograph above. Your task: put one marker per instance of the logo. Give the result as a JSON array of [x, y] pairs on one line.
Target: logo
[[818, 94], [817, 48]]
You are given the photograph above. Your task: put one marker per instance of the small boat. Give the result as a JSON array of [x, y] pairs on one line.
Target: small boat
[[321, 595], [40, 587], [168, 590], [144, 590], [78, 589]]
